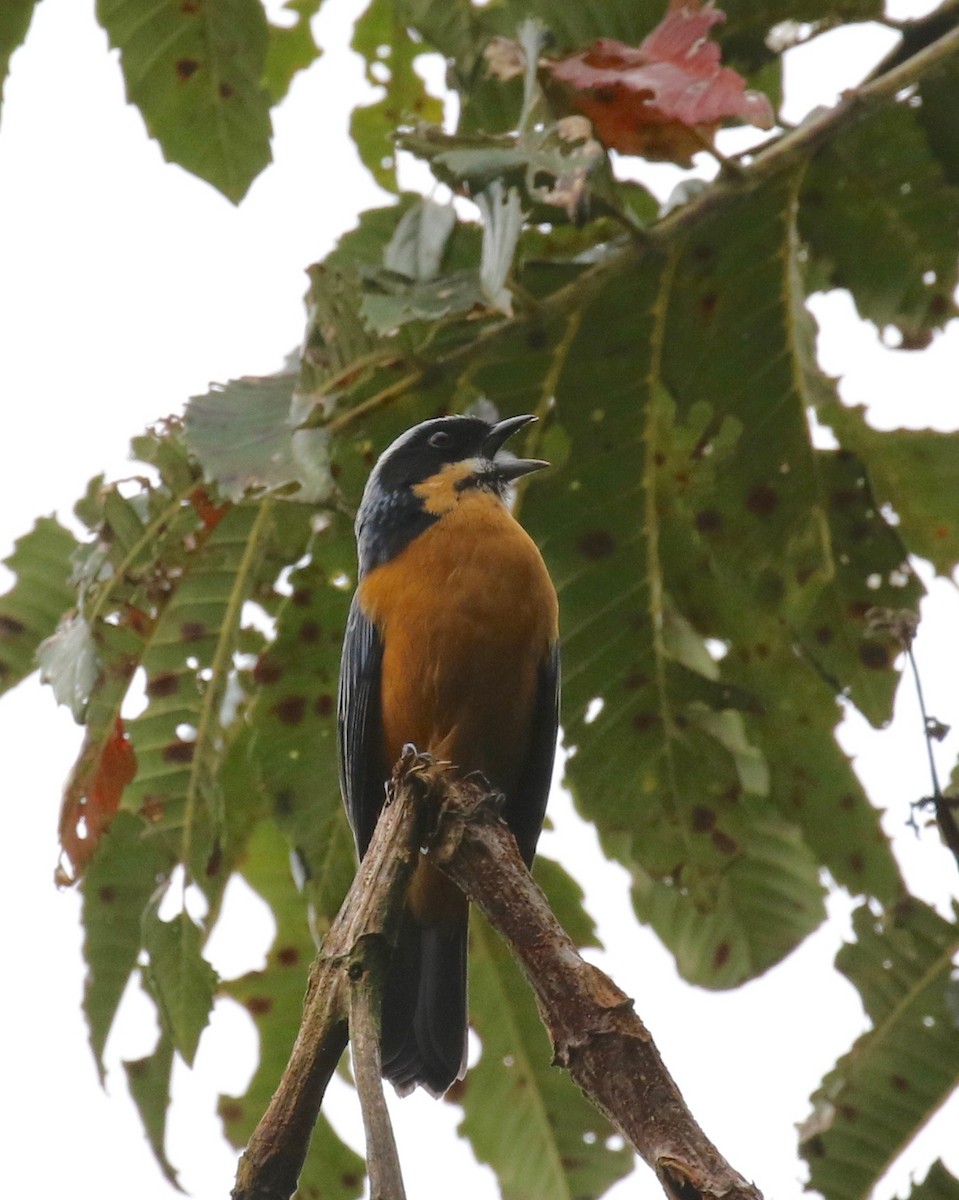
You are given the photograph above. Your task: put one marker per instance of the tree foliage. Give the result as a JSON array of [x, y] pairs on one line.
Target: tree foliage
[[718, 568]]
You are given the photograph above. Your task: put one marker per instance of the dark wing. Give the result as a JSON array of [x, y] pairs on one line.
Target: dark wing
[[526, 809], [359, 726]]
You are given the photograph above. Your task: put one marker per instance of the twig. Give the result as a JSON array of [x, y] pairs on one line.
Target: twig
[[366, 980], [902, 625], [596, 1034], [943, 806]]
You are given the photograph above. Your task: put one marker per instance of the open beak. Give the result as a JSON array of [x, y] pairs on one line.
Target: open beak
[[510, 468]]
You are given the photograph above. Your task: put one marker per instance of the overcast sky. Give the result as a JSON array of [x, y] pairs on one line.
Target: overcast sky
[[126, 286]]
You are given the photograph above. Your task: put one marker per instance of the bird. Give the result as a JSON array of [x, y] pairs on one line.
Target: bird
[[451, 645]]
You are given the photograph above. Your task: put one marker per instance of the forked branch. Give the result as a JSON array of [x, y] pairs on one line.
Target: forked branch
[[596, 1033]]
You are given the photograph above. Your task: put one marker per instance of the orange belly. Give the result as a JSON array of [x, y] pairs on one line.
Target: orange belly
[[467, 614]]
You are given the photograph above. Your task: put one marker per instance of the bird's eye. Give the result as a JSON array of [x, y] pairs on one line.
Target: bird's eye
[[440, 440]]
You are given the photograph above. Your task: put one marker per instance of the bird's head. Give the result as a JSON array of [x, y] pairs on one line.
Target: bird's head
[[427, 471]]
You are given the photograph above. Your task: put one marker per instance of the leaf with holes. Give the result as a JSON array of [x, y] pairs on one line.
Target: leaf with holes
[[881, 1093], [195, 70], [912, 471], [92, 798], [405, 98], [293, 720], [31, 609], [880, 183], [291, 48], [871, 570], [195, 691]]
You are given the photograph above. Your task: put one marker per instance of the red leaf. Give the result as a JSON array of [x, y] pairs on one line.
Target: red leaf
[[92, 798], [209, 513], [666, 98]]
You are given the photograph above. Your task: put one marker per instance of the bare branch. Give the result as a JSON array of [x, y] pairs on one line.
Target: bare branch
[[272, 1162], [595, 1031]]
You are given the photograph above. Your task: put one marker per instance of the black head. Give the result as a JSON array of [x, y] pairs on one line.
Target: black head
[[424, 473]]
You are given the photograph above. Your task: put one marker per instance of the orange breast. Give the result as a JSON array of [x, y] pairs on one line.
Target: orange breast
[[467, 613]]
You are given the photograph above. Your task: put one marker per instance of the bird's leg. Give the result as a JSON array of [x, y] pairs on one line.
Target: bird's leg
[[496, 798]]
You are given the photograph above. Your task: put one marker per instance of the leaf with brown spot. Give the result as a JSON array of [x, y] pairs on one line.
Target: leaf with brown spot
[[870, 570], [290, 709], [879, 183], [898, 1073], [31, 609], [149, 1082], [119, 882], [176, 68], [913, 471], [595, 544]]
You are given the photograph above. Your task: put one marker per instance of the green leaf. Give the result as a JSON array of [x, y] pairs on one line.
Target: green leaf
[[451, 26], [418, 244], [196, 692], [913, 471], [124, 874], [744, 35], [68, 662], [523, 1116], [246, 440], [291, 48], [179, 978], [502, 215], [939, 1184], [149, 1082], [30, 610], [390, 301], [405, 98], [730, 925], [878, 183], [880, 1094], [293, 719], [576, 25], [15, 17], [938, 92], [274, 998], [871, 570], [543, 162], [195, 70], [409, 287]]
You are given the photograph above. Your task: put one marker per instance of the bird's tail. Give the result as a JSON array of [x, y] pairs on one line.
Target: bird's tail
[[424, 1006]]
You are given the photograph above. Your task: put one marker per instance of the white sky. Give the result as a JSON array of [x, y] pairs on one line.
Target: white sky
[[127, 285]]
